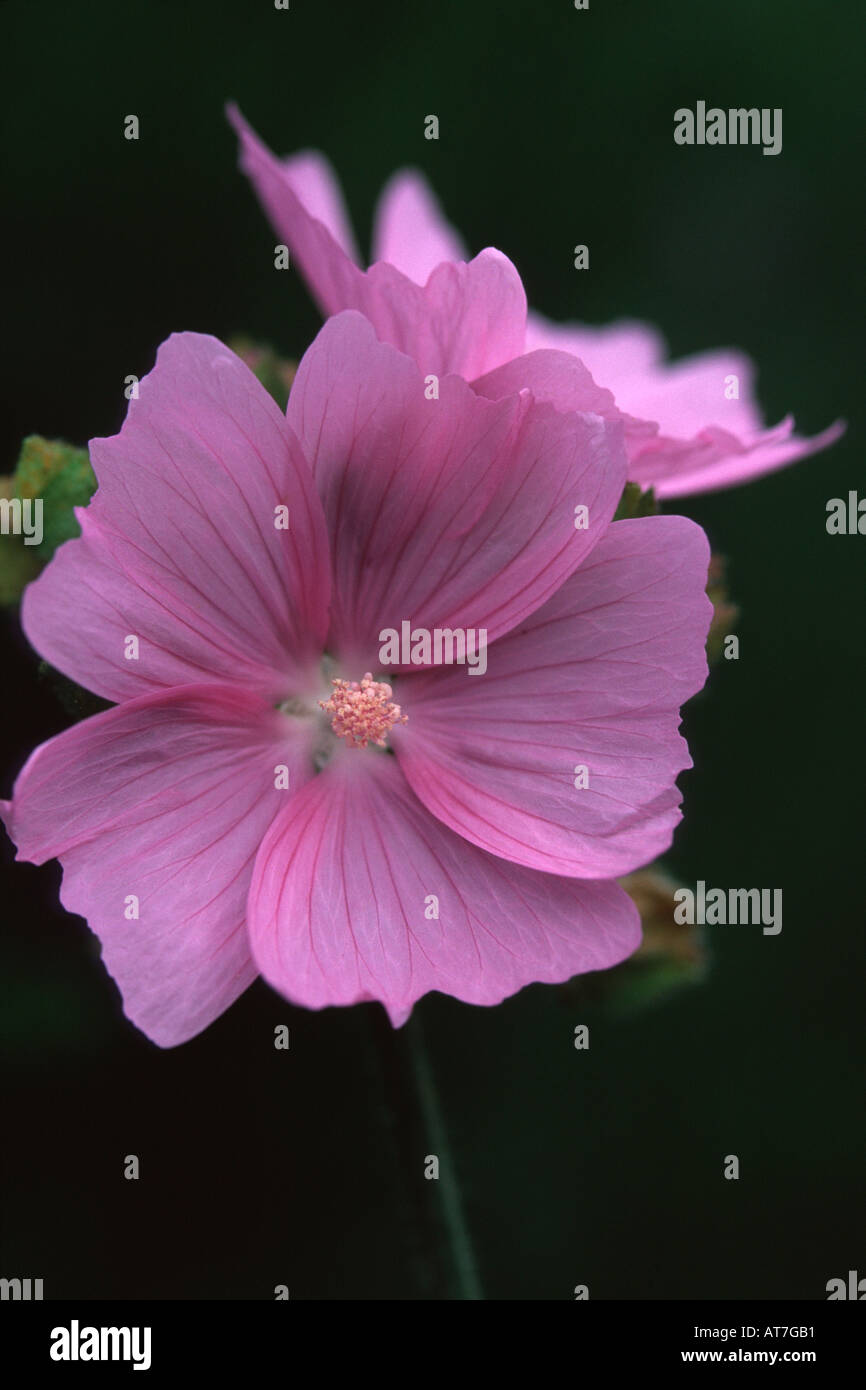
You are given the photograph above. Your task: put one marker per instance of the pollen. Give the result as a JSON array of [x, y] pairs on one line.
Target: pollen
[[362, 712]]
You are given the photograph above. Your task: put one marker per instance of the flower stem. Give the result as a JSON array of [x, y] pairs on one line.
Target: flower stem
[[467, 1278]]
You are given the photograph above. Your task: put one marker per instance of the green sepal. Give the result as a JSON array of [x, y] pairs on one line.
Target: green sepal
[[19, 563], [60, 474], [670, 955], [274, 372], [725, 613], [75, 700], [636, 501]]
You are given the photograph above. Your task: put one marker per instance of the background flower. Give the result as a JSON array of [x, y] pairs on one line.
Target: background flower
[[695, 425]]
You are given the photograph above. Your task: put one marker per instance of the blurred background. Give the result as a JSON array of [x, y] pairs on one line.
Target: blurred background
[[560, 1167]]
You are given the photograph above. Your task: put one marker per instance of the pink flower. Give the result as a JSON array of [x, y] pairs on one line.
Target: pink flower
[[691, 426], [256, 801]]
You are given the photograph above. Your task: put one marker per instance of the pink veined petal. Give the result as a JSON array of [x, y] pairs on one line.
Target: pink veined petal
[[594, 679], [332, 275], [358, 893], [180, 547], [701, 429], [467, 318], [410, 230], [446, 512], [564, 382], [313, 179], [166, 798]]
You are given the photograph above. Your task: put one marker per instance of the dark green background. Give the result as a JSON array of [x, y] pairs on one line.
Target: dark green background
[[601, 1167]]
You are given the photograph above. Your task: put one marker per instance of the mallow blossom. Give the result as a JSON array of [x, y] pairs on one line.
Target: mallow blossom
[[691, 426], [263, 798]]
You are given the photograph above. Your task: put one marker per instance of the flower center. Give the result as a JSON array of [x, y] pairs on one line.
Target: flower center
[[362, 711]]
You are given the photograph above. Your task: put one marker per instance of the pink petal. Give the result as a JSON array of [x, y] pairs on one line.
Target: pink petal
[[312, 178], [167, 798], [706, 438], [341, 902], [179, 546], [466, 318], [410, 231], [564, 382], [596, 678], [614, 353], [686, 396], [455, 511], [714, 459]]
